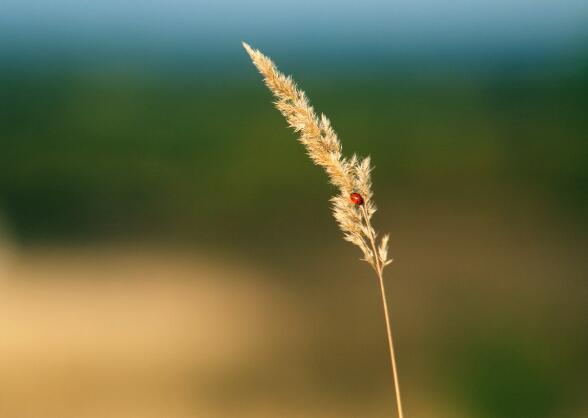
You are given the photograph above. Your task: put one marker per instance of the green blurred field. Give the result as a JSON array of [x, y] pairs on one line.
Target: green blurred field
[[96, 154]]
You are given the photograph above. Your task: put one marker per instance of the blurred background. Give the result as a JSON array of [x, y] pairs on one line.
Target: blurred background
[[167, 249]]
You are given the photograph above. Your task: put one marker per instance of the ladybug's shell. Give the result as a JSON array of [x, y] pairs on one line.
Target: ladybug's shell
[[356, 198]]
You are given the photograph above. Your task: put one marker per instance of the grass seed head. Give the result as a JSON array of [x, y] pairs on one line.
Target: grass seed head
[[351, 176]]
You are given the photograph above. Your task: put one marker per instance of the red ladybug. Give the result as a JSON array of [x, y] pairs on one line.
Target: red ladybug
[[356, 199]]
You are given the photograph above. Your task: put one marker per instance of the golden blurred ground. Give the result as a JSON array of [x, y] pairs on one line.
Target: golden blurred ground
[[116, 330], [124, 332]]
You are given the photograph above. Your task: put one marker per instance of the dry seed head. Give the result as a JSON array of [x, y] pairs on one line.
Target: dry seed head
[[323, 147]]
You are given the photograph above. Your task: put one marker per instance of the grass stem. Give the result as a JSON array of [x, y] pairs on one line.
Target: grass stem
[[379, 272]]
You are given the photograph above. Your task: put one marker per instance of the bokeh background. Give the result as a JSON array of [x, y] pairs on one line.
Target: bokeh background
[[167, 248]]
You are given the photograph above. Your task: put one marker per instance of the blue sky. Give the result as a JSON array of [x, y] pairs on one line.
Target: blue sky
[[414, 23]]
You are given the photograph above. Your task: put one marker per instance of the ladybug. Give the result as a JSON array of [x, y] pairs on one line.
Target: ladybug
[[356, 198]]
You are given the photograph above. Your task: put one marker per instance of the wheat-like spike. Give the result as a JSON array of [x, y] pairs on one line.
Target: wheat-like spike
[[350, 176], [324, 149]]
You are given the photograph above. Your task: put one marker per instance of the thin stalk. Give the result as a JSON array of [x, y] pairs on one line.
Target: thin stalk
[[380, 275]]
